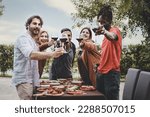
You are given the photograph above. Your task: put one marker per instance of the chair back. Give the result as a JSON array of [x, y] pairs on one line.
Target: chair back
[[130, 83], [142, 91]]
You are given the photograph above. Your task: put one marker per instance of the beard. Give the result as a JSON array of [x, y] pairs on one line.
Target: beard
[[107, 26], [34, 31]]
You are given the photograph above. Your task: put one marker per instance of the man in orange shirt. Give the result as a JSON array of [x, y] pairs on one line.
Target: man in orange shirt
[[108, 75]]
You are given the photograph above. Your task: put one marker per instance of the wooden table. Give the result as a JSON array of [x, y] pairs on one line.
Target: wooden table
[[89, 95]]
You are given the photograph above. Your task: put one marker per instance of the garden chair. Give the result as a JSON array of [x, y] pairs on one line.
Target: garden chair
[[142, 91], [130, 83]]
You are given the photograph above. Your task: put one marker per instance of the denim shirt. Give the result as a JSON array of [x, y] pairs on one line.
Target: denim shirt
[[25, 70]]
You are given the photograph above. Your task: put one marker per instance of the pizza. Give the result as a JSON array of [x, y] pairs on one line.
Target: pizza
[[44, 82], [87, 88], [53, 91], [76, 92], [41, 89], [76, 82], [54, 94], [40, 94]]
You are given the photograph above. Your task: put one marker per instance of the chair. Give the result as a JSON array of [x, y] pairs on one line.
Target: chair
[[130, 83], [142, 91]]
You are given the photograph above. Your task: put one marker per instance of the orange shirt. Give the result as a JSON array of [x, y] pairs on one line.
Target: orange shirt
[[111, 53]]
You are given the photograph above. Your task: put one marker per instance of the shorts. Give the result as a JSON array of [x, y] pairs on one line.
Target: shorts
[[25, 91]]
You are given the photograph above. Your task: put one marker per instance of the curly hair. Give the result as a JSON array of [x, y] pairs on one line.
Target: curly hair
[[106, 13], [29, 20]]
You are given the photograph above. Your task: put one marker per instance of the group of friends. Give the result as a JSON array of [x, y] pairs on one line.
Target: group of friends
[[100, 69]]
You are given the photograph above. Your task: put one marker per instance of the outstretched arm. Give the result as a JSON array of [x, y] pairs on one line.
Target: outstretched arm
[[35, 55]]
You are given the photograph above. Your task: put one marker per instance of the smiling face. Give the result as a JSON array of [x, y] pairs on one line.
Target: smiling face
[[68, 35], [85, 34], [105, 16], [43, 37], [34, 27], [103, 21]]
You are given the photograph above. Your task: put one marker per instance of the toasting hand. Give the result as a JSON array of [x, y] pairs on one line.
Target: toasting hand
[[100, 30], [58, 52]]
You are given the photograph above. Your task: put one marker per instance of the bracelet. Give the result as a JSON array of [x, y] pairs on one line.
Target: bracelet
[[104, 31]]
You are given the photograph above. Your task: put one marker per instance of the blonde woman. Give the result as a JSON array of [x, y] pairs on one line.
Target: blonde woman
[[44, 43]]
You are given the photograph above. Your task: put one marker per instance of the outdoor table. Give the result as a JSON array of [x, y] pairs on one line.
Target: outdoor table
[[89, 95]]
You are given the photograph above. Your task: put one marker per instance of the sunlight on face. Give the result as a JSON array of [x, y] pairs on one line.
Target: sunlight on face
[[35, 26], [85, 34], [67, 34], [43, 37]]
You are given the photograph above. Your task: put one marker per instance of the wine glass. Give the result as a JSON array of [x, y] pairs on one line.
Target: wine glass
[[55, 40], [58, 44], [79, 40], [95, 30], [63, 43], [98, 30]]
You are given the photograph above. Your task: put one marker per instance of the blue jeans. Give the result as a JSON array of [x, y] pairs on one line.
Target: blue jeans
[[109, 84]]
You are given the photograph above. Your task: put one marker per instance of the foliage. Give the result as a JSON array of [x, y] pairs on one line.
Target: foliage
[[1, 8], [47, 65], [136, 56], [126, 61], [6, 58], [137, 15], [137, 12]]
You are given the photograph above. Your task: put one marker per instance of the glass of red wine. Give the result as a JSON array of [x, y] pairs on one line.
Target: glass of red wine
[[55, 40], [63, 43], [98, 30], [79, 39], [95, 30]]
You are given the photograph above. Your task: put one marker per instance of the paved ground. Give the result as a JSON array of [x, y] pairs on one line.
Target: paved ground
[[8, 92]]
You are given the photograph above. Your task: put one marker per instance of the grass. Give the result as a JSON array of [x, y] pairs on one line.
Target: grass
[[6, 76]]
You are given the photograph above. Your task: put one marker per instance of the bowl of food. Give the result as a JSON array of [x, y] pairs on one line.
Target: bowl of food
[[54, 84], [44, 82], [59, 87], [62, 80], [76, 82]]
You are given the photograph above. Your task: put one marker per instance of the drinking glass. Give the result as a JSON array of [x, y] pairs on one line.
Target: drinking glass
[[63, 43], [55, 40]]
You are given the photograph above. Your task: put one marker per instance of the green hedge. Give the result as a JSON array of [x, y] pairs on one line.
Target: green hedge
[[6, 58], [135, 56]]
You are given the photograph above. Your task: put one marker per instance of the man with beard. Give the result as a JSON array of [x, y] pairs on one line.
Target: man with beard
[[108, 76], [26, 56]]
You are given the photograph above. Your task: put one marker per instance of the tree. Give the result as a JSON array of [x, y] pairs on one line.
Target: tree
[[126, 61], [136, 11], [1, 8], [6, 58]]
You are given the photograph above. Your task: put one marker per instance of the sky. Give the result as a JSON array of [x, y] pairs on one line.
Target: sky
[[56, 15]]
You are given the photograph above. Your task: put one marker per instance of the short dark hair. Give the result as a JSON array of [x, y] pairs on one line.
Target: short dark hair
[[106, 13], [29, 20], [65, 29], [88, 30]]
